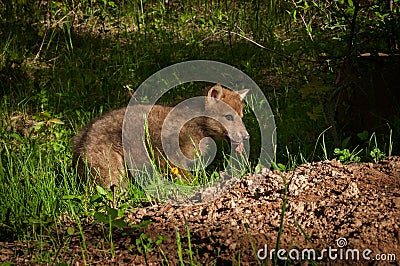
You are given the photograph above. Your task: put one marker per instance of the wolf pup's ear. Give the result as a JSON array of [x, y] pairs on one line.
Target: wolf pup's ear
[[243, 93], [215, 91]]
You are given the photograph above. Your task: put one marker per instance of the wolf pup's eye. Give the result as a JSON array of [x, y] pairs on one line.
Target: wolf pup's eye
[[229, 117]]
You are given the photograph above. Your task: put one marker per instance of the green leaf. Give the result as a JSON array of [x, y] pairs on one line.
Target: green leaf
[[351, 4], [101, 190], [143, 224], [109, 196], [96, 198], [112, 213], [139, 245], [119, 223], [258, 168], [345, 142], [281, 167], [16, 136], [70, 231], [363, 135], [143, 236], [160, 239], [121, 212], [100, 217]]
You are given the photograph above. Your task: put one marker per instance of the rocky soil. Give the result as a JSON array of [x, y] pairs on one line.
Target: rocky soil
[[333, 209]]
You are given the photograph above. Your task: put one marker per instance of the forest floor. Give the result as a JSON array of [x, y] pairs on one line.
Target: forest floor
[[344, 209]]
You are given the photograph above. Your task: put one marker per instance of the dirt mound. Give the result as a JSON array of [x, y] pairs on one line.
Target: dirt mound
[[341, 214]]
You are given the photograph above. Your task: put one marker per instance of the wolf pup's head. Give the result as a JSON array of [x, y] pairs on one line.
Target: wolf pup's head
[[225, 107]]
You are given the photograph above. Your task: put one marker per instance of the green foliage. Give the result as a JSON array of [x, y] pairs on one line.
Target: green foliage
[[375, 152], [346, 157], [105, 214], [145, 244], [370, 149], [346, 19], [377, 155]]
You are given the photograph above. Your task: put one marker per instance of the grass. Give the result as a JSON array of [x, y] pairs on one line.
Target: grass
[[65, 63]]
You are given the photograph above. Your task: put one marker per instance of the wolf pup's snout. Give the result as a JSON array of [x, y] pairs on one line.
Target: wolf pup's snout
[[240, 146]]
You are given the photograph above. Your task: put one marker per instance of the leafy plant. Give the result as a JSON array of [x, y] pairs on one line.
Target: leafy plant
[[346, 157], [145, 244], [377, 154], [112, 216]]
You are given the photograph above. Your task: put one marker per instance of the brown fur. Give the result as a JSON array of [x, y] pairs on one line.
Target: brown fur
[[100, 142]]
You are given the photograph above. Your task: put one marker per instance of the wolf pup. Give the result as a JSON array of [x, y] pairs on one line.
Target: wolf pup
[[99, 144]]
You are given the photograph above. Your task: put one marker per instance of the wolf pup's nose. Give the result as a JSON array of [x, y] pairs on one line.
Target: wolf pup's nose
[[246, 137]]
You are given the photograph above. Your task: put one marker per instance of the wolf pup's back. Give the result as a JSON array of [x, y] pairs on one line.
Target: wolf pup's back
[[99, 145]]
